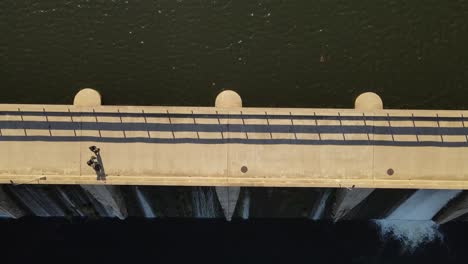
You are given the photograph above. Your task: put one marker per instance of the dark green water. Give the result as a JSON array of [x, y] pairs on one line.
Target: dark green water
[[297, 53]]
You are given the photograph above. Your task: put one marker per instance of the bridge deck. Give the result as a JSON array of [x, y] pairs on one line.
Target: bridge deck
[[48, 144]]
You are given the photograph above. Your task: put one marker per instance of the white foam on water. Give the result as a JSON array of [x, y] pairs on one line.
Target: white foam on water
[[147, 210], [411, 222], [411, 234]]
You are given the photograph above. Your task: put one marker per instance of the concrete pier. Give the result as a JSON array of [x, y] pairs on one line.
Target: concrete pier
[[110, 199], [453, 209], [40, 201], [228, 197], [346, 200], [9, 207]]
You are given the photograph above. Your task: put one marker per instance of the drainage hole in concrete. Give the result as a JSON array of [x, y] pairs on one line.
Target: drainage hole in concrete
[[244, 169]]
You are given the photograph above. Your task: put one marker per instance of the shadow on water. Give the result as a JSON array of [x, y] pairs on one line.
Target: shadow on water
[[259, 241]]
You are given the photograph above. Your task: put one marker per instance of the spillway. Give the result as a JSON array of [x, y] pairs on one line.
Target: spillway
[[87, 159]]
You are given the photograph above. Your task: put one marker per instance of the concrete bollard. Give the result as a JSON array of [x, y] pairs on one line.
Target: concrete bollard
[[87, 97], [227, 99], [368, 101]]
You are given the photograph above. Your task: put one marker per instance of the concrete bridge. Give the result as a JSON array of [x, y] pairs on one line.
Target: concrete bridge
[[228, 146]]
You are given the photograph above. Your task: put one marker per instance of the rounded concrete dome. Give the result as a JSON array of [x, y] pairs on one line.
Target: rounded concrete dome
[[87, 97], [228, 98], [368, 101]]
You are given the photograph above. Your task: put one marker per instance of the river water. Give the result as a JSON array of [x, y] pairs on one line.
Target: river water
[[31, 240], [295, 53]]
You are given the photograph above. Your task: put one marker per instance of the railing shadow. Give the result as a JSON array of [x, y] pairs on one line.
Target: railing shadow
[[103, 131]]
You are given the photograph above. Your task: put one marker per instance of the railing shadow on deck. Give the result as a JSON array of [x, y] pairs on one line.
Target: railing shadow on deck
[[273, 130]]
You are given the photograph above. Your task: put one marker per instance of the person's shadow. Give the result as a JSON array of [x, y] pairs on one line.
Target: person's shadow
[[101, 173], [99, 165]]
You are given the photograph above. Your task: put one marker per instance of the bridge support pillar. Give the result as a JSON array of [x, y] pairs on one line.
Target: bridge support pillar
[[40, 200], [321, 204], [346, 200], [110, 198], [228, 197], [9, 206], [454, 209]]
